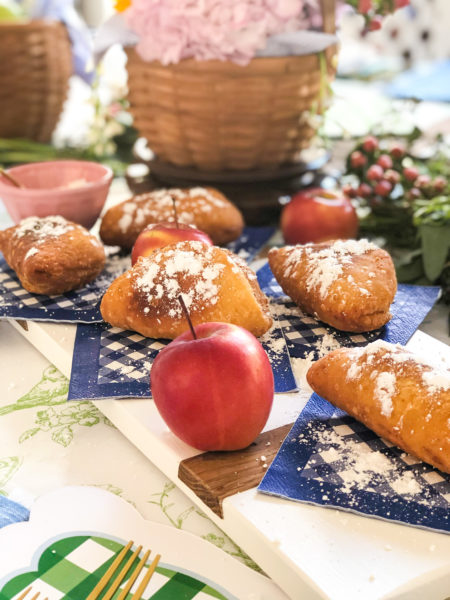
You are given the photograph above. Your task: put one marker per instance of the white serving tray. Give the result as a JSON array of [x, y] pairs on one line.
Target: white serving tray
[[311, 552]]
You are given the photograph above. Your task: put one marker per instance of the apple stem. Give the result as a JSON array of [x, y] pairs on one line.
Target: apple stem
[[186, 314], [175, 211]]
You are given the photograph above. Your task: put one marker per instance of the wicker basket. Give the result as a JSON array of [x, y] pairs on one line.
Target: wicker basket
[[217, 115], [35, 66]]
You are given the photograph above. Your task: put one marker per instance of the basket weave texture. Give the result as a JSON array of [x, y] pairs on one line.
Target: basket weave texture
[[35, 66], [217, 115]]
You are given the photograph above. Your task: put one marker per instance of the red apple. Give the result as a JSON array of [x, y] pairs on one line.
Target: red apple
[[162, 234], [214, 392], [317, 215]]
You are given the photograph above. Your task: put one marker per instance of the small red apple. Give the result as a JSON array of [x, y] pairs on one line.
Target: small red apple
[[317, 215], [214, 391], [162, 234]]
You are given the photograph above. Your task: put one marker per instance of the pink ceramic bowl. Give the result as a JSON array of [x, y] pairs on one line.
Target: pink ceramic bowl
[[74, 189]]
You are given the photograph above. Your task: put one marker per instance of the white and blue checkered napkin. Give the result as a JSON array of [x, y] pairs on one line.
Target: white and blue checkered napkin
[[329, 458], [109, 362], [79, 306], [83, 305], [332, 460]]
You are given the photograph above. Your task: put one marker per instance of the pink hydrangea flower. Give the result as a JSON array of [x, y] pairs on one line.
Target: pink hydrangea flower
[[170, 30]]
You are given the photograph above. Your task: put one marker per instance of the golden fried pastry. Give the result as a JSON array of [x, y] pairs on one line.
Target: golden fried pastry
[[348, 284], [51, 255], [216, 285], [400, 397], [205, 208]]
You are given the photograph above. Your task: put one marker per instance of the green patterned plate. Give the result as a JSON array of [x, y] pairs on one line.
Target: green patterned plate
[[71, 567]]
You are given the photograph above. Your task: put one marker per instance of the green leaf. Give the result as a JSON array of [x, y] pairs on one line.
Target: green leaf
[[28, 434], [63, 436], [435, 211], [409, 272], [435, 247]]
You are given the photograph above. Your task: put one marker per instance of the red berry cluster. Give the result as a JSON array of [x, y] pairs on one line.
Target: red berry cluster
[[374, 10], [385, 172]]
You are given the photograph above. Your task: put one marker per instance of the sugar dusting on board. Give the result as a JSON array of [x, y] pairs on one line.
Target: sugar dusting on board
[[323, 344]]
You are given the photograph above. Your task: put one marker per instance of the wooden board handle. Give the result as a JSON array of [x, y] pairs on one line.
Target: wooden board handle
[[213, 476]]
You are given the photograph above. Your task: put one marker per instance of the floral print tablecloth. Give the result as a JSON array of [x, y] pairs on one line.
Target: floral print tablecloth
[[46, 443]]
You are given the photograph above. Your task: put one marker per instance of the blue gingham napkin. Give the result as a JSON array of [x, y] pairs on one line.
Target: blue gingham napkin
[[109, 362], [83, 305], [79, 306], [332, 460], [251, 241]]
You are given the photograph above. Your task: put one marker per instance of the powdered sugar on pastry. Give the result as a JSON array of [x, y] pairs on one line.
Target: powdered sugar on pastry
[[157, 281], [326, 264], [436, 380], [42, 228], [384, 390], [138, 210], [31, 252], [433, 377]]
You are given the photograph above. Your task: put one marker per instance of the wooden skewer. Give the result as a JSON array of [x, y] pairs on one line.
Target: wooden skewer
[[13, 180]]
